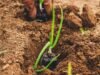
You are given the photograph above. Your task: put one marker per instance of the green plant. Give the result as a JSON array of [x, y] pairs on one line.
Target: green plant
[[82, 30], [51, 44], [53, 59], [59, 30], [41, 3], [41, 53], [69, 68], [52, 26]]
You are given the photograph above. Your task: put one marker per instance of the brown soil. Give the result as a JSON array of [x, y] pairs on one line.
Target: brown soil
[[21, 42]]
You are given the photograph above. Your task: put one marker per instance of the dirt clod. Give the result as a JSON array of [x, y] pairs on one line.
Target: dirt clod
[[88, 17], [72, 8], [30, 9], [73, 21], [21, 41]]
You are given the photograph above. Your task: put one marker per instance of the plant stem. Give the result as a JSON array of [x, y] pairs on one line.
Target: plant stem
[[41, 2], [58, 33], [52, 26], [40, 55], [50, 44]]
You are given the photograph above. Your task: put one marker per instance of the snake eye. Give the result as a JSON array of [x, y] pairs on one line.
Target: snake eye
[[46, 58]]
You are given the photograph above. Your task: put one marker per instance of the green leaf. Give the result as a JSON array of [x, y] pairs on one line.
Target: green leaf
[[41, 53]]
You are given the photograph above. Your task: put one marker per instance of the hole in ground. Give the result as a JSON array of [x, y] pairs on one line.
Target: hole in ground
[[30, 55]]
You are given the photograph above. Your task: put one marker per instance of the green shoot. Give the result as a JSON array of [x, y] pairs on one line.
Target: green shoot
[[69, 68], [52, 27], [41, 3], [52, 60], [82, 30], [41, 53], [60, 27], [52, 43]]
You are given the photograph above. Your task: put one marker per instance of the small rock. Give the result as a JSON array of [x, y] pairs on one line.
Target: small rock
[[30, 9], [50, 72], [98, 16], [6, 66], [48, 6], [31, 71], [81, 56], [47, 72], [88, 17], [73, 21], [71, 8]]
